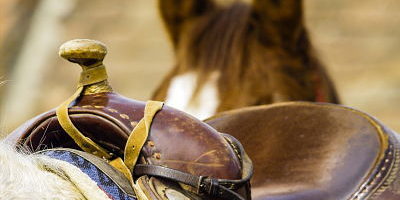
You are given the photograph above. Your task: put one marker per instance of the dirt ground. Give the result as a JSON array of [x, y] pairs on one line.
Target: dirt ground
[[358, 42]]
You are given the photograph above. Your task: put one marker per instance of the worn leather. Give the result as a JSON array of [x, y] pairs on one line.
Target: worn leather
[[176, 139], [300, 150], [315, 151], [157, 189]]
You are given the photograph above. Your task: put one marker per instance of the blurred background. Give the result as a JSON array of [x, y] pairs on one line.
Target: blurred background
[[359, 41]]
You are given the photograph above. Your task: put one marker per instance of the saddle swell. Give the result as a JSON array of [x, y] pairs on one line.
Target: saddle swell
[[176, 140]]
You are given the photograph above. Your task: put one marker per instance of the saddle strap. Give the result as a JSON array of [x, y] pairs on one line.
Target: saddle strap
[[96, 74], [139, 134], [136, 140], [220, 188]]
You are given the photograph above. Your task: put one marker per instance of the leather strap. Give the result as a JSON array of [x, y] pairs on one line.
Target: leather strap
[[81, 140], [204, 185], [221, 188], [95, 74], [119, 165], [139, 134]]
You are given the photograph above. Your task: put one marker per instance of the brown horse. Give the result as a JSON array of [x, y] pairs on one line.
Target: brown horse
[[237, 54]]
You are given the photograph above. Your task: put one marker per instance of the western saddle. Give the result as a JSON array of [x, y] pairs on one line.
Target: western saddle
[[300, 150]]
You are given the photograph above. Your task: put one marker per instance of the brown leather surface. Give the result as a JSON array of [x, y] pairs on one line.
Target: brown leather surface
[[45, 132], [300, 150], [176, 139], [309, 151], [390, 189]]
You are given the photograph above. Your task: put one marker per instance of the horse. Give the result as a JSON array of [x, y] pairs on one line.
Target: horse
[[233, 54]]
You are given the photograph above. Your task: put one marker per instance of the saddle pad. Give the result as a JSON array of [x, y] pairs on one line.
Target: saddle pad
[[113, 183]]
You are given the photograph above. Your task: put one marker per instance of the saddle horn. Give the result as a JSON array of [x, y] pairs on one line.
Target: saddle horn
[[89, 54]]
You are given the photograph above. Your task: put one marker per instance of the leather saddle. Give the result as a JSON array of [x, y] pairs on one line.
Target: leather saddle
[[315, 151], [165, 143], [300, 150]]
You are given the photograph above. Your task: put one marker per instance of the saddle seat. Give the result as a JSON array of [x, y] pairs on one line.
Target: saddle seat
[[315, 151]]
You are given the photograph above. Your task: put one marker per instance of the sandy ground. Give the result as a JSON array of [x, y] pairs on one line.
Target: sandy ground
[[359, 43]]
